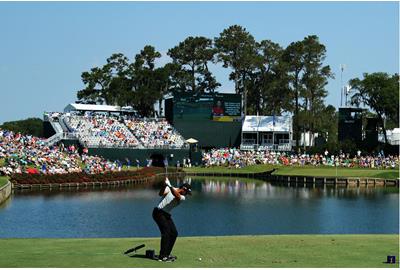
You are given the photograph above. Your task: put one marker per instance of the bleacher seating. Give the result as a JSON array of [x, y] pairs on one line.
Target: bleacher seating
[[101, 131], [108, 131], [155, 133]]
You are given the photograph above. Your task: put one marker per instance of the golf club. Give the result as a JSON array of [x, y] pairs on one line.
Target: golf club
[[134, 249]]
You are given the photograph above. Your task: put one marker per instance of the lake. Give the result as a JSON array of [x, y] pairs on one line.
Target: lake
[[219, 206]]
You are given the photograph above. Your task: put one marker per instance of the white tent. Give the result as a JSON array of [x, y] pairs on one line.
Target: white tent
[[91, 107], [191, 140], [253, 123], [267, 132]]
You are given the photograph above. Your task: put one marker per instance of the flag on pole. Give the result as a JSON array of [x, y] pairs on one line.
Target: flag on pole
[[165, 162]]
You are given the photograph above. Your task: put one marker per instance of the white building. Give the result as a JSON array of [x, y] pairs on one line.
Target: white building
[[267, 133]]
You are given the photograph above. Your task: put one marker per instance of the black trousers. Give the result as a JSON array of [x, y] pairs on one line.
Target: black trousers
[[167, 229]]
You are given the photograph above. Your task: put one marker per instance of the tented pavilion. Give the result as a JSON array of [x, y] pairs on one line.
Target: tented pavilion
[[267, 133], [82, 108]]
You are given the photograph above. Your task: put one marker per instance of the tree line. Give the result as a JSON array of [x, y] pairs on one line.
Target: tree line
[[29, 126], [272, 79]]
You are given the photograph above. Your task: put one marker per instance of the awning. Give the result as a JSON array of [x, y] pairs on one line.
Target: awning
[[191, 140]]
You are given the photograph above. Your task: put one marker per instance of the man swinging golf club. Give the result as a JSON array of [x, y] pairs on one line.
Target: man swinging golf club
[[171, 197]]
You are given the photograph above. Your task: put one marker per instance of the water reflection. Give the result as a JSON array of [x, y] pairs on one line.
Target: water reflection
[[219, 206], [261, 189]]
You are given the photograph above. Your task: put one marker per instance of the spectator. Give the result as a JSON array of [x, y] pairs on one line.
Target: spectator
[[235, 158]]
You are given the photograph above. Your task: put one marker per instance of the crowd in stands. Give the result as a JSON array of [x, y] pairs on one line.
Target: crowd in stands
[[28, 154], [236, 158], [97, 130], [20, 152], [155, 133], [95, 164], [100, 130]]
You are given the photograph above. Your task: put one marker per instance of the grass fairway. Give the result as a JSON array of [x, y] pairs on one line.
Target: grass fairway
[[306, 171], [3, 180], [231, 251]]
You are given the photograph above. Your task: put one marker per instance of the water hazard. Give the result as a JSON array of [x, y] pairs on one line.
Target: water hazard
[[218, 207]]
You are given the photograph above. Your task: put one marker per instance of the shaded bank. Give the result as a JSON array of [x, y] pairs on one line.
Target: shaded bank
[[5, 189], [33, 180]]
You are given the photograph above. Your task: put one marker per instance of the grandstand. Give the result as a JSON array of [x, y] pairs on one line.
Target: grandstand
[[155, 133], [100, 131], [115, 133], [214, 120], [103, 126]]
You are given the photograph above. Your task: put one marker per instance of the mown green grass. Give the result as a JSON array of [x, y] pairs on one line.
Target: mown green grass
[[231, 251], [306, 171], [3, 180], [221, 169], [332, 171]]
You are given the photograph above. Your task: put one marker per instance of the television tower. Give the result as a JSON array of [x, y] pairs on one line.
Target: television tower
[[342, 67]]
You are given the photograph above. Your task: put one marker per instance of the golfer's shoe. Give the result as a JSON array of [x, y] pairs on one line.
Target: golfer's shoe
[[165, 259], [172, 257]]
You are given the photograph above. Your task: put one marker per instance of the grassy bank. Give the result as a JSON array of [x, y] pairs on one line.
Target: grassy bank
[[232, 251], [3, 180], [306, 171]]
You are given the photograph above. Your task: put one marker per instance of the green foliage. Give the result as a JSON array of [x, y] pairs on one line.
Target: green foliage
[[275, 92], [380, 92], [119, 82], [3, 181], [101, 83], [272, 80], [307, 80], [237, 49], [348, 146], [191, 58], [147, 83], [30, 126], [293, 61], [146, 58]]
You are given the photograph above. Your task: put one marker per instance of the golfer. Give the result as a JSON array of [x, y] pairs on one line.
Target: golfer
[[171, 197]]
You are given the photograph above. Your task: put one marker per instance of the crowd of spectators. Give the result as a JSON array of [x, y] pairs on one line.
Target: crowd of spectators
[[95, 164], [236, 158], [28, 154], [155, 133], [99, 130], [21, 152]]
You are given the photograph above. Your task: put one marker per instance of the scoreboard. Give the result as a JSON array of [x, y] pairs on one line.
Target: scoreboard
[[213, 119], [215, 107]]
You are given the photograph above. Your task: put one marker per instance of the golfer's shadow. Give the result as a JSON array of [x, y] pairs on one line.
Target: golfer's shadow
[[141, 256]]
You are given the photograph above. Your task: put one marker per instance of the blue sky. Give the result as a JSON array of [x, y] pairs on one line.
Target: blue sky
[[45, 46]]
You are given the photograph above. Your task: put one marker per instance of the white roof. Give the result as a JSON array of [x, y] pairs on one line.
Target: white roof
[[91, 107], [253, 123]]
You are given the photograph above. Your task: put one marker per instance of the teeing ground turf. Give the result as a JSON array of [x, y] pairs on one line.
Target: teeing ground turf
[[223, 251]]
